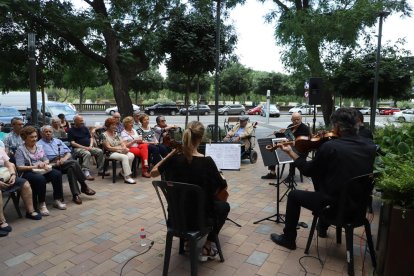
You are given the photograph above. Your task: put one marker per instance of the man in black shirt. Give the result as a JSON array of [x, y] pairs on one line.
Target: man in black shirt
[[335, 162], [82, 143], [295, 129], [362, 130]]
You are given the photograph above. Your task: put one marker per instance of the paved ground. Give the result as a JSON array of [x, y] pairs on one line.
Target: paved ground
[[97, 237]]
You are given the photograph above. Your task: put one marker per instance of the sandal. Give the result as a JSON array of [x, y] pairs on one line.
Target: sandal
[[34, 215], [207, 254], [4, 226]]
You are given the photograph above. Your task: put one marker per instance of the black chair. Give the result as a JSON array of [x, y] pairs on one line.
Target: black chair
[[14, 195], [349, 213], [180, 223]]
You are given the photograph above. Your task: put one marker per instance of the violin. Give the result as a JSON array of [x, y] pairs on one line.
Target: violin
[[305, 144]]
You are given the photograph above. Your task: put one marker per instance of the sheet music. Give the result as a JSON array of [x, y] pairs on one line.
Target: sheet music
[[227, 156]]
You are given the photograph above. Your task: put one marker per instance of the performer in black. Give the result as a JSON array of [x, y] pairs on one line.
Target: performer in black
[[335, 162], [295, 129], [362, 130]]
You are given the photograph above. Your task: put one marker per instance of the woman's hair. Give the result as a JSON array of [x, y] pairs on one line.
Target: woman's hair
[[191, 138], [345, 119], [127, 120], [61, 116], [26, 131], [142, 117], [109, 122]]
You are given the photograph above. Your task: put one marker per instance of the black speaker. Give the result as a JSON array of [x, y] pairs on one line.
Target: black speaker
[[315, 91]]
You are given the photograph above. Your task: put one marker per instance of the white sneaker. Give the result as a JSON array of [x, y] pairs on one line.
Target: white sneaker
[[59, 205], [129, 180], [86, 173]]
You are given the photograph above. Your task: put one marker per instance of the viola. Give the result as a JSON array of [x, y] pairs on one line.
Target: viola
[[223, 194], [305, 144]]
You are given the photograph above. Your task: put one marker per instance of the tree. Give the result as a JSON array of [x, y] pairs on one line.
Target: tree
[[190, 42], [313, 30], [147, 81], [235, 80], [120, 35], [275, 82]]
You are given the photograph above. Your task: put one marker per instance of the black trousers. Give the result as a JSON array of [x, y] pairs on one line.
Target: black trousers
[[156, 151], [75, 175], [314, 201], [221, 210]]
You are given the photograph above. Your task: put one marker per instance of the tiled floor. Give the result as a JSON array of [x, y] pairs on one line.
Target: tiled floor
[[99, 236]]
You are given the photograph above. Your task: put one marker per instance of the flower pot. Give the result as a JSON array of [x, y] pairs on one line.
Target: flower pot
[[395, 241]]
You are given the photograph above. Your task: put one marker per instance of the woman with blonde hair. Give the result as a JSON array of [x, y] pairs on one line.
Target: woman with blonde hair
[[134, 143], [190, 166]]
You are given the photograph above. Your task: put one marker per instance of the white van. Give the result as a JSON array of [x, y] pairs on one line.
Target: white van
[[53, 109], [19, 99]]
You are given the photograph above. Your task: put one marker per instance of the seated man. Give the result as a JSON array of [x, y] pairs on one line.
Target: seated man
[[162, 130], [13, 140], [60, 157], [82, 143], [241, 132], [335, 162]]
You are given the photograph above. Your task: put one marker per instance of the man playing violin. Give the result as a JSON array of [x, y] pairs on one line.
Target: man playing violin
[[335, 162], [162, 130], [295, 129]]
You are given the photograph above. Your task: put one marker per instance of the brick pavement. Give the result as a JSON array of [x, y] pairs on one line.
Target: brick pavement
[[97, 237]]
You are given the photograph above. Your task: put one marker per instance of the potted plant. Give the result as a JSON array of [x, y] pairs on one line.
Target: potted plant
[[396, 182]]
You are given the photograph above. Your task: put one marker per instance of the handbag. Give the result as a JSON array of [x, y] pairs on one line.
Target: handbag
[[4, 174]]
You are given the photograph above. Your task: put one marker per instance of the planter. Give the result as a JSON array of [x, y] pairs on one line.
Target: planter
[[395, 242]]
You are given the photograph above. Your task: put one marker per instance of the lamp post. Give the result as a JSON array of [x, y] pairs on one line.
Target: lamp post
[[31, 42], [217, 73], [381, 15]]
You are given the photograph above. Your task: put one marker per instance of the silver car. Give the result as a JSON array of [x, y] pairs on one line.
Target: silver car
[[232, 109]]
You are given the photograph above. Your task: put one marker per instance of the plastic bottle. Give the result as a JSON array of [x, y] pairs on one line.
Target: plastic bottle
[[143, 237]]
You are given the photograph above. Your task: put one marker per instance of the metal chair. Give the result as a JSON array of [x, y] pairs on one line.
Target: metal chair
[[186, 223], [349, 212]]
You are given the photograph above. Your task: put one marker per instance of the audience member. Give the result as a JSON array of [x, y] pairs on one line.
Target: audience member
[[137, 124], [241, 132], [63, 123], [119, 125], [13, 139], [58, 131]]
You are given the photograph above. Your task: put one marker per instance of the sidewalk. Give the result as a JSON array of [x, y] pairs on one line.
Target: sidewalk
[[99, 236]]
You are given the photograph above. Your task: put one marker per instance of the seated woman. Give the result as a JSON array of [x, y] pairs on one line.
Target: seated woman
[[63, 123], [133, 141], [58, 131], [13, 184], [29, 158], [192, 167], [116, 150], [155, 149]]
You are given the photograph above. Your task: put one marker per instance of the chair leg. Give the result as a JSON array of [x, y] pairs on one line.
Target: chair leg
[[219, 248], [105, 167], [338, 234], [194, 252], [312, 231], [167, 254], [370, 242], [15, 197], [181, 250], [349, 235], [114, 171]]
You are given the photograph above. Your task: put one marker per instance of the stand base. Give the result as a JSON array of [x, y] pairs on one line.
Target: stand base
[[279, 219], [235, 223]]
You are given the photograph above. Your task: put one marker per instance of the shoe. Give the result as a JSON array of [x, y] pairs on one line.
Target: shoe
[[129, 180], [90, 178], [207, 254], [3, 233], [269, 176], [34, 215], [77, 199], [106, 173], [283, 241], [88, 191], [43, 209], [146, 175], [7, 228], [59, 205]]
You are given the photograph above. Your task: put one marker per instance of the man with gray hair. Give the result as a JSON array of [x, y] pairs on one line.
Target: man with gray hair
[[60, 157], [13, 139]]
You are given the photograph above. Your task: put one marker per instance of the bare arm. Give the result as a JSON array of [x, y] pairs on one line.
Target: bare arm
[[155, 172]]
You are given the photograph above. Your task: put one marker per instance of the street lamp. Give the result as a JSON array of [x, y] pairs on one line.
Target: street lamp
[[31, 41], [381, 15], [217, 73]]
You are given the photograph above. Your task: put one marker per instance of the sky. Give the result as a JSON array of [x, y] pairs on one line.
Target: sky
[[256, 47]]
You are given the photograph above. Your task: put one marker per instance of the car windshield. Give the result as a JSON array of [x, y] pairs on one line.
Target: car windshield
[[9, 112], [64, 109]]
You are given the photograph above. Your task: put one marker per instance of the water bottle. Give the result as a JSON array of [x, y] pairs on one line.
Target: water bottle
[[143, 237]]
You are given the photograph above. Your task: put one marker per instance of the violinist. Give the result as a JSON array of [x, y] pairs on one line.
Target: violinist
[[190, 166], [162, 129], [295, 129], [335, 162], [362, 130]]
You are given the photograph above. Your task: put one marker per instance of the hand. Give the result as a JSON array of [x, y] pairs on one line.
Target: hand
[[12, 180], [4, 186], [286, 148], [282, 130]]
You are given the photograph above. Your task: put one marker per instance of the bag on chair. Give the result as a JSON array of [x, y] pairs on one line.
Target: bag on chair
[[4, 174]]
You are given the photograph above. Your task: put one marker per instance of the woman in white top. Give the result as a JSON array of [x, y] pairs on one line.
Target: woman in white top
[[117, 150], [134, 142]]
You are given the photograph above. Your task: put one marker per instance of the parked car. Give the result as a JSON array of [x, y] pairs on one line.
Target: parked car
[[7, 113], [389, 111], [114, 109], [404, 116], [303, 109], [203, 109], [232, 109], [273, 111], [367, 111], [255, 110], [162, 108]]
